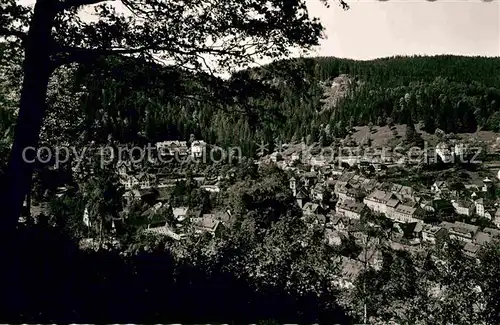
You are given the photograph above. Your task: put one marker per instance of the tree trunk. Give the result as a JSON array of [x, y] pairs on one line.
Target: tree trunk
[[29, 219], [37, 69]]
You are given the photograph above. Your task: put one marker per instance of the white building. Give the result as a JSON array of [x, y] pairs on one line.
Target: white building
[[293, 186], [211, 188], [318, 161], [180, 213], [479, 204], [172, 147], [463, 208], [86, 218], [350, 209], [444, 152], [405, 214], [197, 148], [439, 187], [430, 233], [377, 201], [487, 184]]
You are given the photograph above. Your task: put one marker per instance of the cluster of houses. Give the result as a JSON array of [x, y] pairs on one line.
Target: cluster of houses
[[331, 194], [186, 219], [355, 195], [376, 157], [151, 186]]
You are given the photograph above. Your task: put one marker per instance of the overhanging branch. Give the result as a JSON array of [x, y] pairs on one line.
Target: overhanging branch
[[5, 32], [68, 4], [68, 54]]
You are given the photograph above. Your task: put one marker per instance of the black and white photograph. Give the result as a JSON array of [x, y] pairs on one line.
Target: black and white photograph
[[250, 162]]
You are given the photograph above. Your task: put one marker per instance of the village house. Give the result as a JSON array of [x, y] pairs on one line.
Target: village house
[[165, 231], [301, 198], [207, 224], [350, 209], [355, 228], [348, 158], [377, 201], [211, 188], [489, 211], [337, 171], [479, 205], [156, 223], [131, 196], [311, 208], [406, 214], [460, 231], [293, 186], [432, 233], [427, 205], [463, 207], [275, 157], [335, 221], [346, 177], [444, 153], [369, 185], [129, 181], [496, 220], [390, 207], [152, 219], [472, 187], [315, 219], [471, 250], [223, 216], [124, 167], [317, 192], [333, 237], [318, 161], [487, 185], [198, 148], [172, 148], [141, 180], [405, 193], [439, 188], [309, 179], [180, 213], [348, 192]]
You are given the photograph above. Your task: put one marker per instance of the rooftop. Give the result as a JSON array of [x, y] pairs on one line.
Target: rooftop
[[351, 205], [492, 232], [482, 238], [471, 248], [405, 209], [392, 203], [379, 195]]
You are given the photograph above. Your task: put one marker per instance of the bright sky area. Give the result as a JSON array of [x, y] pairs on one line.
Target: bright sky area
[[372, 28]]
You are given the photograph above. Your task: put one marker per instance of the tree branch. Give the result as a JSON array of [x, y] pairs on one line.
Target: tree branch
[[68, 54], [8, 32], [68, 4]]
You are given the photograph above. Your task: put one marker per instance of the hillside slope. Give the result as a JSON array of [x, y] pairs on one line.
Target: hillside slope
[[322, 97]]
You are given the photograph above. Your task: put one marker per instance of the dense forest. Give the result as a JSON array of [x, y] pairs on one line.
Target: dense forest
[[286, 100], [455, 94]]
